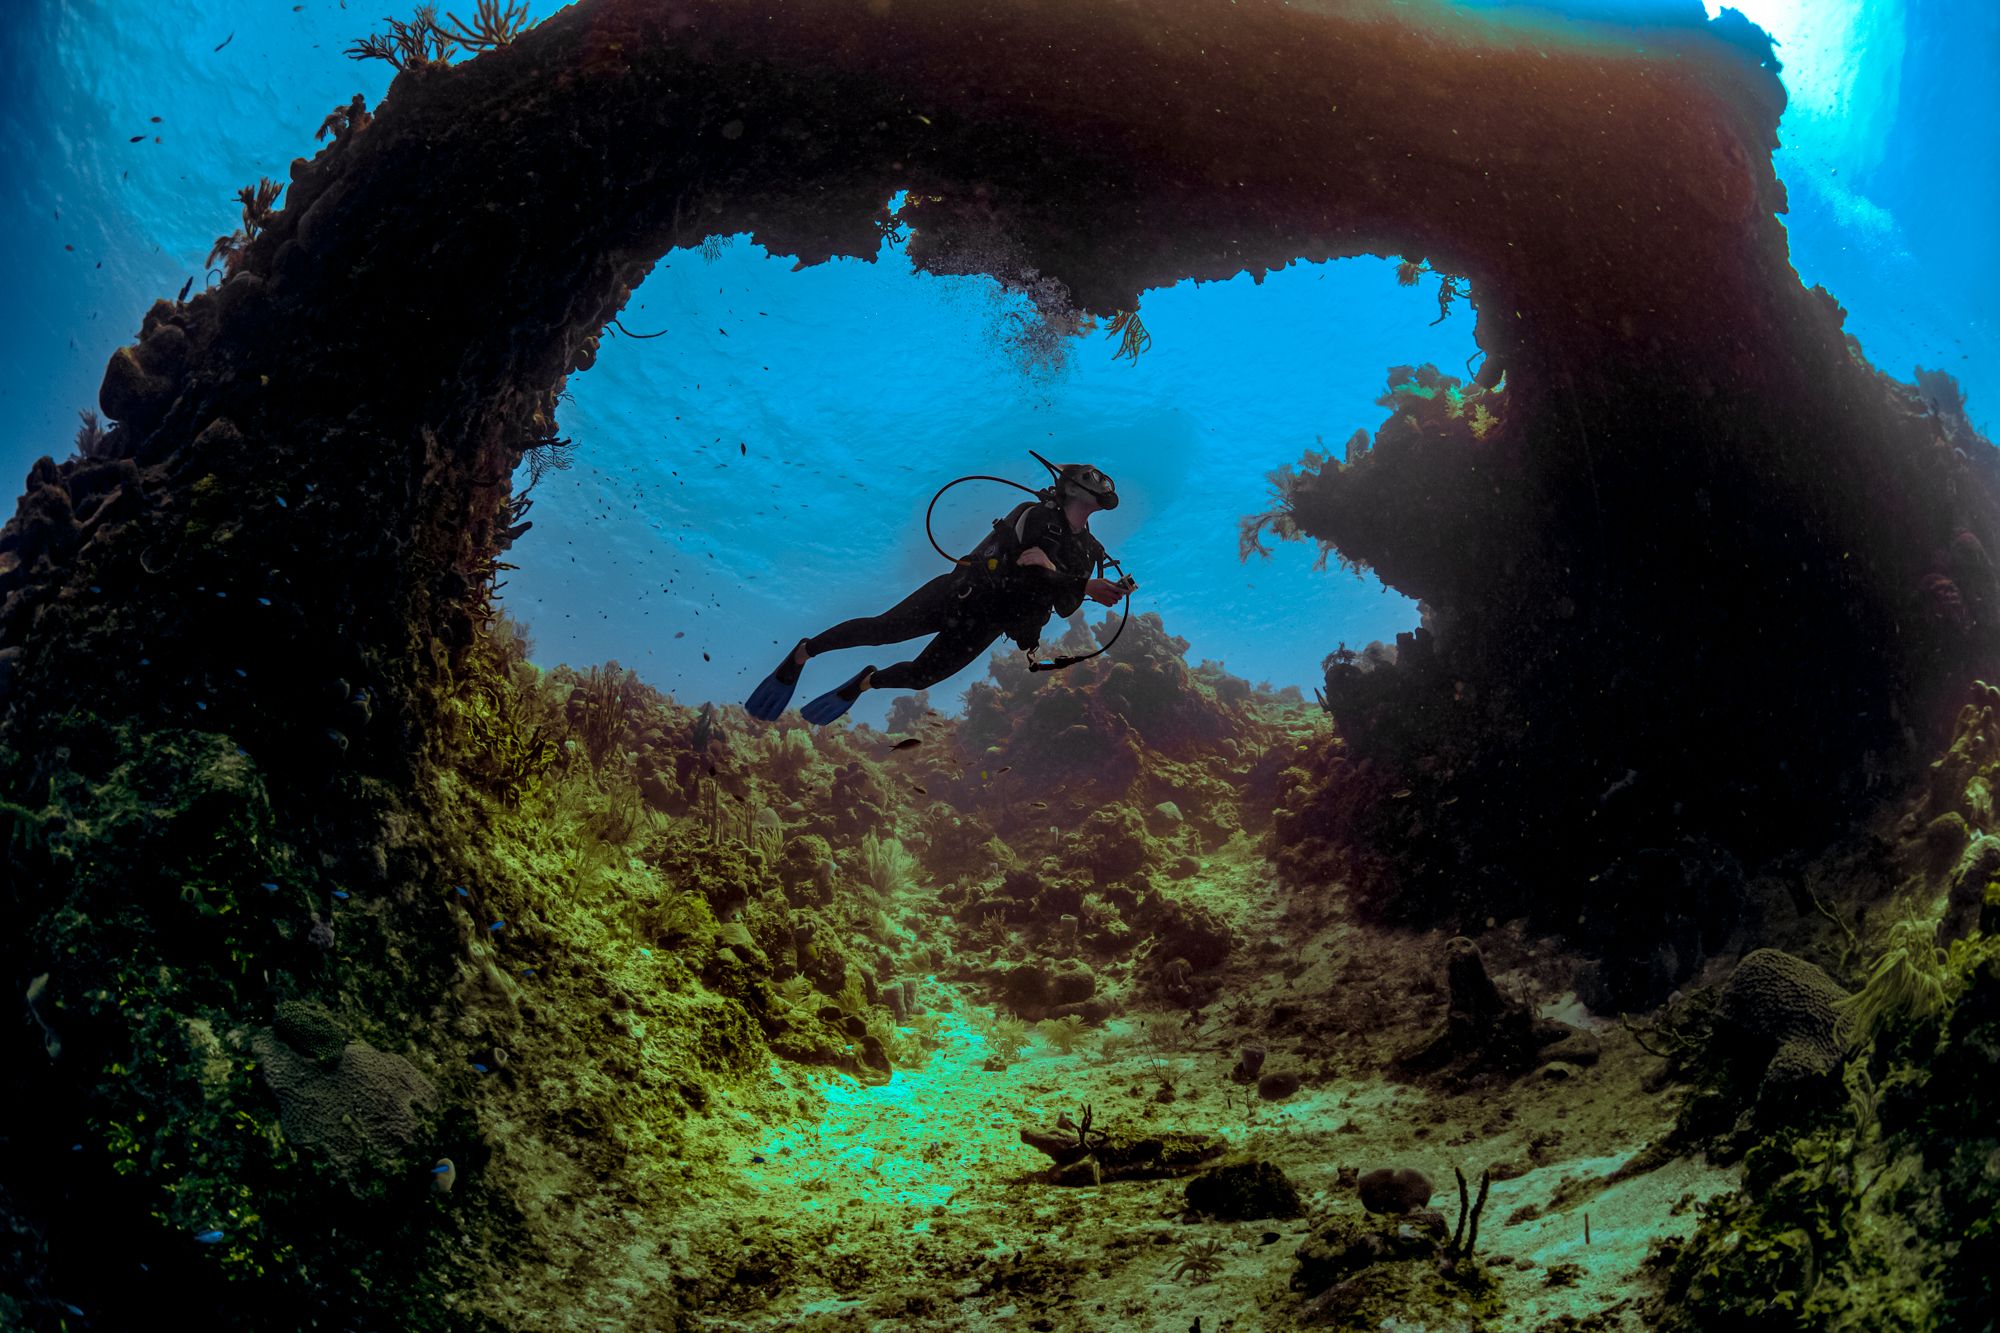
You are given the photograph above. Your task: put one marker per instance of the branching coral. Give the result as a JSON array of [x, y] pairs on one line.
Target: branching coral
[[343, 121], [507, 750], [257, 201], [492, 25], [89, 435], [413, 45], [599, 705]]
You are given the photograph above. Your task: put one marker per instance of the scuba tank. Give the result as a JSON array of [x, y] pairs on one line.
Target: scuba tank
[[992, 549]]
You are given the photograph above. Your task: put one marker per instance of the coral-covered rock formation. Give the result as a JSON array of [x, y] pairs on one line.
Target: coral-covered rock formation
[[1486, 1032], [1568, 711]]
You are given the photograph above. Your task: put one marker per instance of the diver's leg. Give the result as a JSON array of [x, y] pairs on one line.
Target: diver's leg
[[943, 657], [922, 612]]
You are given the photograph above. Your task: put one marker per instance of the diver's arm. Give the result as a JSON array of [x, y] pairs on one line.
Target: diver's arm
[[1034, 557]]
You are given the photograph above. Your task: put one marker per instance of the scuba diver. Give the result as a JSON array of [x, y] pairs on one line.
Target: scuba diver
[[1040, 558]]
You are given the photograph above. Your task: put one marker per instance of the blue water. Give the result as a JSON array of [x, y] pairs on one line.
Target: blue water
[[716, 511]]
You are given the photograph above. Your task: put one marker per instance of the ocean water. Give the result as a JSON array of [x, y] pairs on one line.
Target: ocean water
[[719, 510]]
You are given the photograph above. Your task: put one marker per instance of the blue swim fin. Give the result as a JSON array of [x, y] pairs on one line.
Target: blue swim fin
[[767, 702], [835, 702]]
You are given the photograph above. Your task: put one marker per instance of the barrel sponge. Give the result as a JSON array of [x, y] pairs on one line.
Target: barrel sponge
[[1787, 1003], [363, 1114]]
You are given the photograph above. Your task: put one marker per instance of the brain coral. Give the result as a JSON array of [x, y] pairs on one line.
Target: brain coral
[[1787, 1003], [363, 1114]]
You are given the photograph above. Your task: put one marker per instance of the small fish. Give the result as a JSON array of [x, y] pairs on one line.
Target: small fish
[[208, 1237], [137, 138], [908, 744], [225, 41], [918, 790], [269, 887], [1004, 768], [496, 925], [1399, 794], [1041, 805], [156, 120], [184, 288], [758, 1159], [459, 889], [527, 971], [481, 1068], [443, 1175], [742, 449]]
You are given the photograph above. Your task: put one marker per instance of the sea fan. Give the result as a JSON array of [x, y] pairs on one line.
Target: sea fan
[[885, 865]]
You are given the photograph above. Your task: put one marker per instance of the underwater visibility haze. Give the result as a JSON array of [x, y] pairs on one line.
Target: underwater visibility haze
[[1453, 787]]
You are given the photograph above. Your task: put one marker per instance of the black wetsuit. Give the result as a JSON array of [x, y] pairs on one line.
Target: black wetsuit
[[975, 603]]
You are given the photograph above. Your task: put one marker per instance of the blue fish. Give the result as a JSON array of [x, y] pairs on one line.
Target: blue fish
[[496, 925], [241, 672], [481, 1068], [459, 889], [281, 503], [270, 887], [527, 971], [209, 1237], [340, 894], [202, 706], [263, 601], [440, 1168], [758, 1159]]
